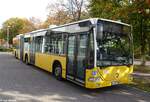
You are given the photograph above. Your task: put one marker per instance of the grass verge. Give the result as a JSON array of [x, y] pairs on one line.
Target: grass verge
[[141, 82], [4, 49], [141, 69]]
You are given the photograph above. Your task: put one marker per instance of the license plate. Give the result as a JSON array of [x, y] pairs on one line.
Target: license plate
[[114, 83]]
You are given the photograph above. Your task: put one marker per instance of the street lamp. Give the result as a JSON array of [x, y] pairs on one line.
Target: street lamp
[[8, 36]]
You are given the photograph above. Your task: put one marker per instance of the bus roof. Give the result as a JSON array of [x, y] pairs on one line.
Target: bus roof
[[40, 32], [26, 35], [119, 22], [93, 20], [19, 35], [35, 31]]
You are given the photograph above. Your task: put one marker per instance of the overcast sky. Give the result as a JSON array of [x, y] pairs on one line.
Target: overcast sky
[[23, 8]]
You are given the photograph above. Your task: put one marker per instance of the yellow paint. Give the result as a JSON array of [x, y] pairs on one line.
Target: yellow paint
[[14, 50], [29, 56], [18, 53], [119, 74], [24, 56], [45, 61]]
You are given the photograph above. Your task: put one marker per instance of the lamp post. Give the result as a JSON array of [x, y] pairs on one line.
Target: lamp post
[[8, 36]]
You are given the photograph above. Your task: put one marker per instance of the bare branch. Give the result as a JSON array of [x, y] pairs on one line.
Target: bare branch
[[73, 8]]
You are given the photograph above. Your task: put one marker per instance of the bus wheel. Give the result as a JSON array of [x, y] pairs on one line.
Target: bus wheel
[[57, 72], [26, 60], [15, 55]]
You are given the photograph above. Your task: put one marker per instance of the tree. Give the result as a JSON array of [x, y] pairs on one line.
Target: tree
[[129, 11], [64, 11], [1, 34], [140, 21], [60, 17], [57, 14], [36, 23], [16, 26], [74, 8], [27, 26], [109, 9]]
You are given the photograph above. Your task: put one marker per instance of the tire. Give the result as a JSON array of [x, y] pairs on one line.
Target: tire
[[26, 60], [58, 72], [15, 55]]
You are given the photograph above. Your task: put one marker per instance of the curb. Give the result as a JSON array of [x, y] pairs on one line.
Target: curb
[[141, 74]]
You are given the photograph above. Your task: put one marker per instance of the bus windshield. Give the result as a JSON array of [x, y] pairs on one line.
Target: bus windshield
[[114, 44]]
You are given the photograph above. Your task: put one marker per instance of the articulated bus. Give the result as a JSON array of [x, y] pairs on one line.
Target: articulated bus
[[93, 53]]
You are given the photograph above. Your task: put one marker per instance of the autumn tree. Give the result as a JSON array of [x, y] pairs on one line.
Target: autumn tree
[[1, 34], [140, 20], [27, 26], [109, 9], [36, 23], [57, 14], [74, 8], [58, 18], [129, 11], [16, 26], [65, 11]]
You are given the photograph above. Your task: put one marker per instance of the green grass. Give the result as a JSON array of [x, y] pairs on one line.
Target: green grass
[[141, 83], [3, 49], [142, 69]]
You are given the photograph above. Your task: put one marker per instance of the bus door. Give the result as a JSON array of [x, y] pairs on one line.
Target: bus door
[[71, 56], [32, 51], [77, 49]]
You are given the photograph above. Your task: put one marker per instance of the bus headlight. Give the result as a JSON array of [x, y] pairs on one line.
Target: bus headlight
[[94, 79]]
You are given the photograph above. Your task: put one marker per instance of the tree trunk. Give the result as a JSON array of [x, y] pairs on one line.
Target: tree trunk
[[143, 44], [149, 49]]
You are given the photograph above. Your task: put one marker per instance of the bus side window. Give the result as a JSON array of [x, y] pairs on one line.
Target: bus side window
[[64, 44], [52, 45], [60, 44], [56, 44], [47, 38], [38, 42]]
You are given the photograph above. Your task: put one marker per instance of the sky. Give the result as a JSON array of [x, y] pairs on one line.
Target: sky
[[23, 8]]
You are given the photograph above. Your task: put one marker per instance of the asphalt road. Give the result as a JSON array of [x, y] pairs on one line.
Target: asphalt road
[[23, 83]]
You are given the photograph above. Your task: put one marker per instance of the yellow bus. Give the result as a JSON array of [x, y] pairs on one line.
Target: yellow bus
[[93, 53]]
